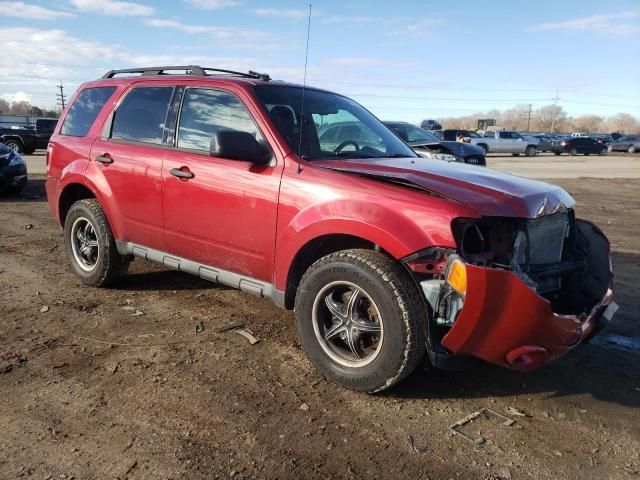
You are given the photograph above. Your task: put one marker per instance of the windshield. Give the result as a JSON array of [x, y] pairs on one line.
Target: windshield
[[333, 127]]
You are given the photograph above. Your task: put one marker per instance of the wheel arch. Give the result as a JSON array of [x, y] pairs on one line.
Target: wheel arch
[[315, 249], [70, 194]]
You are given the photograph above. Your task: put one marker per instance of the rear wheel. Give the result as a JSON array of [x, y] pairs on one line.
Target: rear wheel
[[361, 319], [631, 149], [603, 152], [573, 152], [90, 245], [531, 151], [15, 145]]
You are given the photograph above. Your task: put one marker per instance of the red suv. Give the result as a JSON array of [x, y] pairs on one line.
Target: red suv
[[384, 255]]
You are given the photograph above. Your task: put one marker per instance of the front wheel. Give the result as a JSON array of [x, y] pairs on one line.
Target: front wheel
[[361, 319], [90, 245], [631, 149], [573, 152], [603, 152], [531, 151]]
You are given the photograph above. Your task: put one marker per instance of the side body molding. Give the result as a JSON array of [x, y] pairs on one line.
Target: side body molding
[[206, 272]]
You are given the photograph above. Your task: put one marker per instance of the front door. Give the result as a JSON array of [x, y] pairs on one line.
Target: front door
[[217, 211], [129, 157]]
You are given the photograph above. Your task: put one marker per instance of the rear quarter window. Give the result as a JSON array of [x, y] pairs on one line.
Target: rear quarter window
[[84, 111]]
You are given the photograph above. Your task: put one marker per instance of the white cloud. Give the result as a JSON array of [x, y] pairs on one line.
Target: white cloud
[[231, 36], [112, 7], [359, 19], [211, 4], [17, 97], [290, 13], [33, 12], [357, 61], [610, 24]]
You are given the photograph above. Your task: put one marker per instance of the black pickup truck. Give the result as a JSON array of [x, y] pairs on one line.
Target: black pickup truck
[[26, 138]]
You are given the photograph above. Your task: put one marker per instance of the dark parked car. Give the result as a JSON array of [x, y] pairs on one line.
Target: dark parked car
[[27, 138], [431, 125], [576, 145], [427, 145], [452, 135], [544, 143], [630, 143], [13, 170]]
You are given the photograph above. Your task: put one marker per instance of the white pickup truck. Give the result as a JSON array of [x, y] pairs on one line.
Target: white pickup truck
[[505, 141]]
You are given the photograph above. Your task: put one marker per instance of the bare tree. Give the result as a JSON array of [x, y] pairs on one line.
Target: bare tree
[[4, 107], [623, 123]]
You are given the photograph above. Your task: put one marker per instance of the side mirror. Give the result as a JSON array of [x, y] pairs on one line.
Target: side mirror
[[236, 145]]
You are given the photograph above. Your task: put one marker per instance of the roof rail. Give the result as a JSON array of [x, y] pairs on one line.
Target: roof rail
[[190, 69]]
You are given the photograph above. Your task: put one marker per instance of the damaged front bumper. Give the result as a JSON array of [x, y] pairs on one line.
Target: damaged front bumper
[[495, 315], [506, 323]]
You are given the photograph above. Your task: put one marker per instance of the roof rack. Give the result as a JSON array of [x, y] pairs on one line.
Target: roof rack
[[189, 69]]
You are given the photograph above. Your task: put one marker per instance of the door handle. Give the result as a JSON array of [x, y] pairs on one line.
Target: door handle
[[106, 158], [180, 173]]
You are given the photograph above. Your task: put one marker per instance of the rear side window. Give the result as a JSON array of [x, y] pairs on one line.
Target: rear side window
[[205, 111], [84, 111], [142, 114]]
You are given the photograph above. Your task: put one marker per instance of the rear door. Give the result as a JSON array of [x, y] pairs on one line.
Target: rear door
[[128, 159], [224, 215]]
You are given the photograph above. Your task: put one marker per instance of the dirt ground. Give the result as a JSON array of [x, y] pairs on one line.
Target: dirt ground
[[92, 389]]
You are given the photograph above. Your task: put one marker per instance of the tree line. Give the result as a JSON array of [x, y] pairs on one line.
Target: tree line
[[546, 119], [24, 108]]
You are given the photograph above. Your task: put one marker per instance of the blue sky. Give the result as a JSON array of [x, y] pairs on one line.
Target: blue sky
[[403, 60]]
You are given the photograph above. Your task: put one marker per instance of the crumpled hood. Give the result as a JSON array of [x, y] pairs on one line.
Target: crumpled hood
[[488, 192], [456, 148]]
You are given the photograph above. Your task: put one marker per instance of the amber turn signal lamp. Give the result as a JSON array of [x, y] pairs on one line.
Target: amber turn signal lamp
[[457, 276]]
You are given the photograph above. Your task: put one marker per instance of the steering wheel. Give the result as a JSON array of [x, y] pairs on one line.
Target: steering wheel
[[346, 143]]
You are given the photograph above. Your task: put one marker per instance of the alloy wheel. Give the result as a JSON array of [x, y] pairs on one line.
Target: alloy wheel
[[347, 324], [84, 244]]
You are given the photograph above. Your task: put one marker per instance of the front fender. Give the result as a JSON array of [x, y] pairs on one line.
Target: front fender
[[394, 227]]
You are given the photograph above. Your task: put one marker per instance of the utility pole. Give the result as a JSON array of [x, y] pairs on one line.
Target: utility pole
[[61, 97], [529, 119], [555, 112]]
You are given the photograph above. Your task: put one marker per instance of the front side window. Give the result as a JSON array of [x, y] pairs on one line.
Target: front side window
[[205, 111], [505, 135], [85, 110], [141, 115], [309, 131]]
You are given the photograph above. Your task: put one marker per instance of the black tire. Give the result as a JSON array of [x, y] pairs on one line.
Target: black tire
[[603, 152], [558, 153], [531, 151], [109, 265], [15, 145], [587, 154], [515, 154], [573, 152], [390, 291]]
